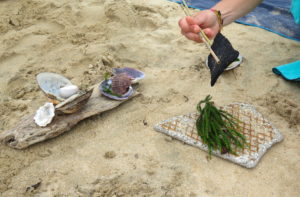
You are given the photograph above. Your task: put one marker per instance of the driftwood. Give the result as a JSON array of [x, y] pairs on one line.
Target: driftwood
[[27, 132]]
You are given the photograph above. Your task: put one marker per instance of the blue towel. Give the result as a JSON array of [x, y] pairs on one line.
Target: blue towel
[[295, 9], [271, 15], [289, 71]]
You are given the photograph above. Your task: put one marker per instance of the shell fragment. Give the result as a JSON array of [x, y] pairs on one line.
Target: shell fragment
[[44, 115]]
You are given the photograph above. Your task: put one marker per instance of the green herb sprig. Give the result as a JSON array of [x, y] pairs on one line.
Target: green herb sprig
[[218, 129], [108, 89]]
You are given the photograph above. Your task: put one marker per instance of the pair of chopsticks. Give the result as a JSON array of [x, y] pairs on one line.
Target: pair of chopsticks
[[205, 39]]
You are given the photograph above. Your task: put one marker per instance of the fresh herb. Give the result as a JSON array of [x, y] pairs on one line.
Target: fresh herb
[[218, 129], [107, 89], [237, 60], [107, 75]]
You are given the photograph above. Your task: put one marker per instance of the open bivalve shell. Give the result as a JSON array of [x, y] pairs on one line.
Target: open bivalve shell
[[105, 89], [51, 83], [231, 66], [74, 102], [62, 93], [134, 74]]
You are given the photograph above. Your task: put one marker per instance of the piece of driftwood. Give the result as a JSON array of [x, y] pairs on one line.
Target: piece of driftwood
[[27, 132]]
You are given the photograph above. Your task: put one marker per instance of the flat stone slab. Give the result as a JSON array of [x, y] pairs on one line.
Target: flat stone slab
[[259, 132]]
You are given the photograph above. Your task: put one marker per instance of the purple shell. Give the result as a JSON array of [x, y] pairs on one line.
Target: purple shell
[[131, 72], [120, 83], [107, 83]]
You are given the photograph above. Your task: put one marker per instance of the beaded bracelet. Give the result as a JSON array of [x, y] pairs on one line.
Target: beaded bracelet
[[219, 16]]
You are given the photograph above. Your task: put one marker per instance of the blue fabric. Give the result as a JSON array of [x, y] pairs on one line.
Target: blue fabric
[[289, 71], [295, 9], [271, 15]]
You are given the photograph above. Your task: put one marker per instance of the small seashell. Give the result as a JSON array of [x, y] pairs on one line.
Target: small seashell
[[74, 103], [67, 91], [134, 74], [50, 83], [106, 84], [120, 83], [44, 115], [231, 66]]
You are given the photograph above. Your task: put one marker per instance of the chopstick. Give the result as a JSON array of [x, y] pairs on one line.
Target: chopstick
[[203, 36]]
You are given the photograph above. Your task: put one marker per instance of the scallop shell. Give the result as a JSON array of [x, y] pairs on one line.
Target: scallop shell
[[120, 83], [106, 84], [44, 115], [62, 93], [134, 74]]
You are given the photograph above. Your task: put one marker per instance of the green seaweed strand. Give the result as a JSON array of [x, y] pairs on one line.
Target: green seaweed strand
[[218, 129]]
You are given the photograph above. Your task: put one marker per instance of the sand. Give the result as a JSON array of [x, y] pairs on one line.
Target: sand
[[118, 153]]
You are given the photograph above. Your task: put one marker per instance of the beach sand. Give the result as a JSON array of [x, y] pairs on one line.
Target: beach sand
[[118, 153]]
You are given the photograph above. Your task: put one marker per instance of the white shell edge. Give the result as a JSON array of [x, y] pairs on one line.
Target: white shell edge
[[232, 65], [44, 114]]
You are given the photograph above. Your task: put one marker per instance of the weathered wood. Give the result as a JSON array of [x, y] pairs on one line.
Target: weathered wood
[[27, 132]]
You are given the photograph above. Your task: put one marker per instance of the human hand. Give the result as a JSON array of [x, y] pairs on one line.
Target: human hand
[[206, 20]]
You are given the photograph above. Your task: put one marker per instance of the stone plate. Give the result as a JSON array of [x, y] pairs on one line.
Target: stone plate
[[259, 132]]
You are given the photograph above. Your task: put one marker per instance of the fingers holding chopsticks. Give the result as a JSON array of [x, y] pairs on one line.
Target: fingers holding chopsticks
[[206, 20]]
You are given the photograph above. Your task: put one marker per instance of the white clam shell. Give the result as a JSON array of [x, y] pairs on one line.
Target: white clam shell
[[50, 83], [232, 65], [44, 114], [67, 91]]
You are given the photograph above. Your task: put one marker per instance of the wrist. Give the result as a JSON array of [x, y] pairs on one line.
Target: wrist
[[218, 15]]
